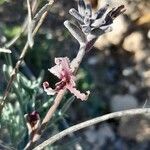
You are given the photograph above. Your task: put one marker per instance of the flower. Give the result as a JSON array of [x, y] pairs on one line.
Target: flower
[[63, 71]]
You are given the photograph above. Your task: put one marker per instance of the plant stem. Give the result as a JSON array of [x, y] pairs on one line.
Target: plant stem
[[49, 114]]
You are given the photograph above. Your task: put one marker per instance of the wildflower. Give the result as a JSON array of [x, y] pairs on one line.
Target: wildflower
[[90, 25], [63, 71]]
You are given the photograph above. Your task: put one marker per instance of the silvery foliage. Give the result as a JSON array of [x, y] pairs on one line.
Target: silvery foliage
[[90, 25]]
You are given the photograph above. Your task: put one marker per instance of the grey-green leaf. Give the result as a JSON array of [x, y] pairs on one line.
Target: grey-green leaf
[[75, 31]]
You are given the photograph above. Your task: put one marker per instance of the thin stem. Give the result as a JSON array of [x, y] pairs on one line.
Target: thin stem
[[76, 61], [90, 122], [50, 113]]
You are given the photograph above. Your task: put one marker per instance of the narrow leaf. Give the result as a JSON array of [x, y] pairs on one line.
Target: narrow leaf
[[81, 7], [76, 15], [98, 22], [41, 12], [75, 31], [99, 31], [88, 10], [101, 11], [4, 50]]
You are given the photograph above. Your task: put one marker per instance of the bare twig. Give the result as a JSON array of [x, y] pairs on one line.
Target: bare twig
[[15, 70], [90, 122]]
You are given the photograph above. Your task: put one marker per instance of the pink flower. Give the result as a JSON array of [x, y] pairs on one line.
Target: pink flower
[[64, 72]]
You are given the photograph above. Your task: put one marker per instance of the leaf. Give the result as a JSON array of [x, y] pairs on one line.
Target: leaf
[[41, 12], [88, 10], [7, 70], [4, 50], [98, 22], [101, 11], [99, 31], [75, 31], [76, 15], [81, 7]]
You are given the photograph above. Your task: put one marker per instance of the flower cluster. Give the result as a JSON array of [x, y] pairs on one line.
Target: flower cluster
[[64, 72]]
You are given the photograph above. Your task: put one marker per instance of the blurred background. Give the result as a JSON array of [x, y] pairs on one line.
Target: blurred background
[[116, 71]]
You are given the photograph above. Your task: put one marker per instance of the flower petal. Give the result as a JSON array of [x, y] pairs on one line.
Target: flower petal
[[56, 70], [77, 93], [62, 63], [65, 63], [47, 89]]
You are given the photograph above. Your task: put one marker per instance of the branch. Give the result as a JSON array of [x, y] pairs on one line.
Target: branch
[[90, 122]]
